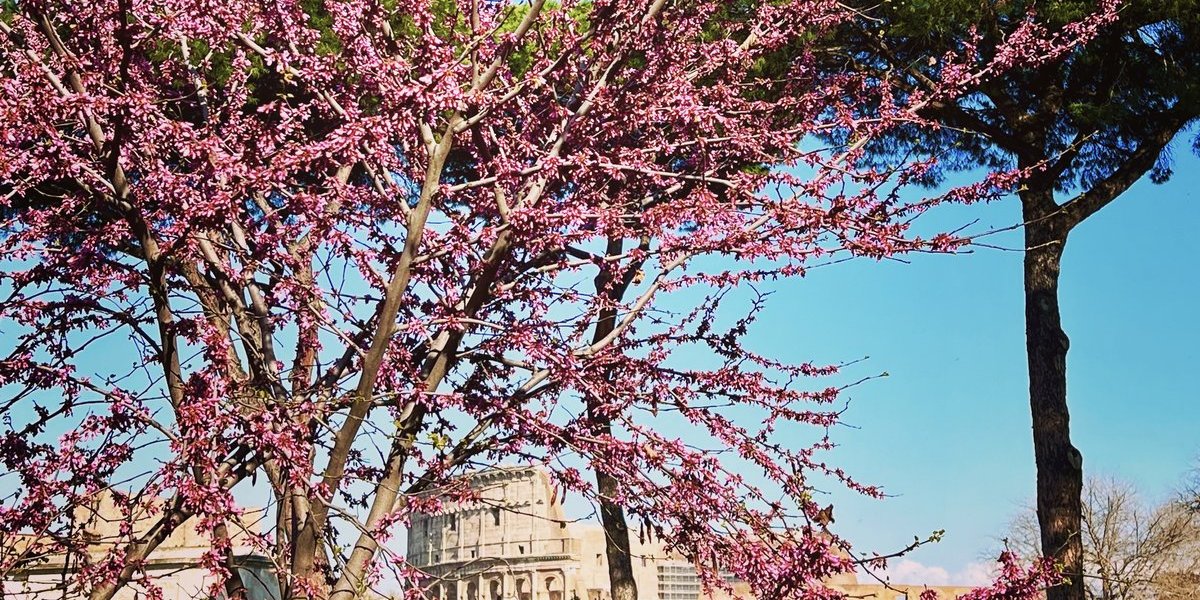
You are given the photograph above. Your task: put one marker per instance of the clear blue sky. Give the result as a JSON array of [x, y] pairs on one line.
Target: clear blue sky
[[949, 431]]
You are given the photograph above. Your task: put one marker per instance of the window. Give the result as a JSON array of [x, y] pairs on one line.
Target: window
[[496, 517], [599, 559], [520, 549], [472, 554], [453, 522]]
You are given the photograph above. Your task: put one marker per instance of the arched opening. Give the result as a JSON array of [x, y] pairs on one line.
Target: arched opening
[[554, 588], [495, 590]]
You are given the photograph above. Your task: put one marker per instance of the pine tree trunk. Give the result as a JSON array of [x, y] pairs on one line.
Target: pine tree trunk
[[1059, 463]]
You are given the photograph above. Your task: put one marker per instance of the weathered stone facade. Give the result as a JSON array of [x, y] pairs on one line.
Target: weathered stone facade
[[516, 544], [513, 544], [174, 567]]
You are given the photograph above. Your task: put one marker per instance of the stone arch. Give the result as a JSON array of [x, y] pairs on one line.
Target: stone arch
[[554, 588]]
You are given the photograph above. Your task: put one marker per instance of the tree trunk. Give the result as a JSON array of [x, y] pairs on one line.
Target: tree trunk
[[235, 588], [620, 563], [622, 585], [305, 541], [1059, 463]]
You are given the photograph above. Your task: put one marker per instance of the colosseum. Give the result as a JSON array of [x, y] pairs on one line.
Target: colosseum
[[516, 544]]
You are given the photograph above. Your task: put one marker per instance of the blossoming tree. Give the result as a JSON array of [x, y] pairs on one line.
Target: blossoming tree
[[358, 248]]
